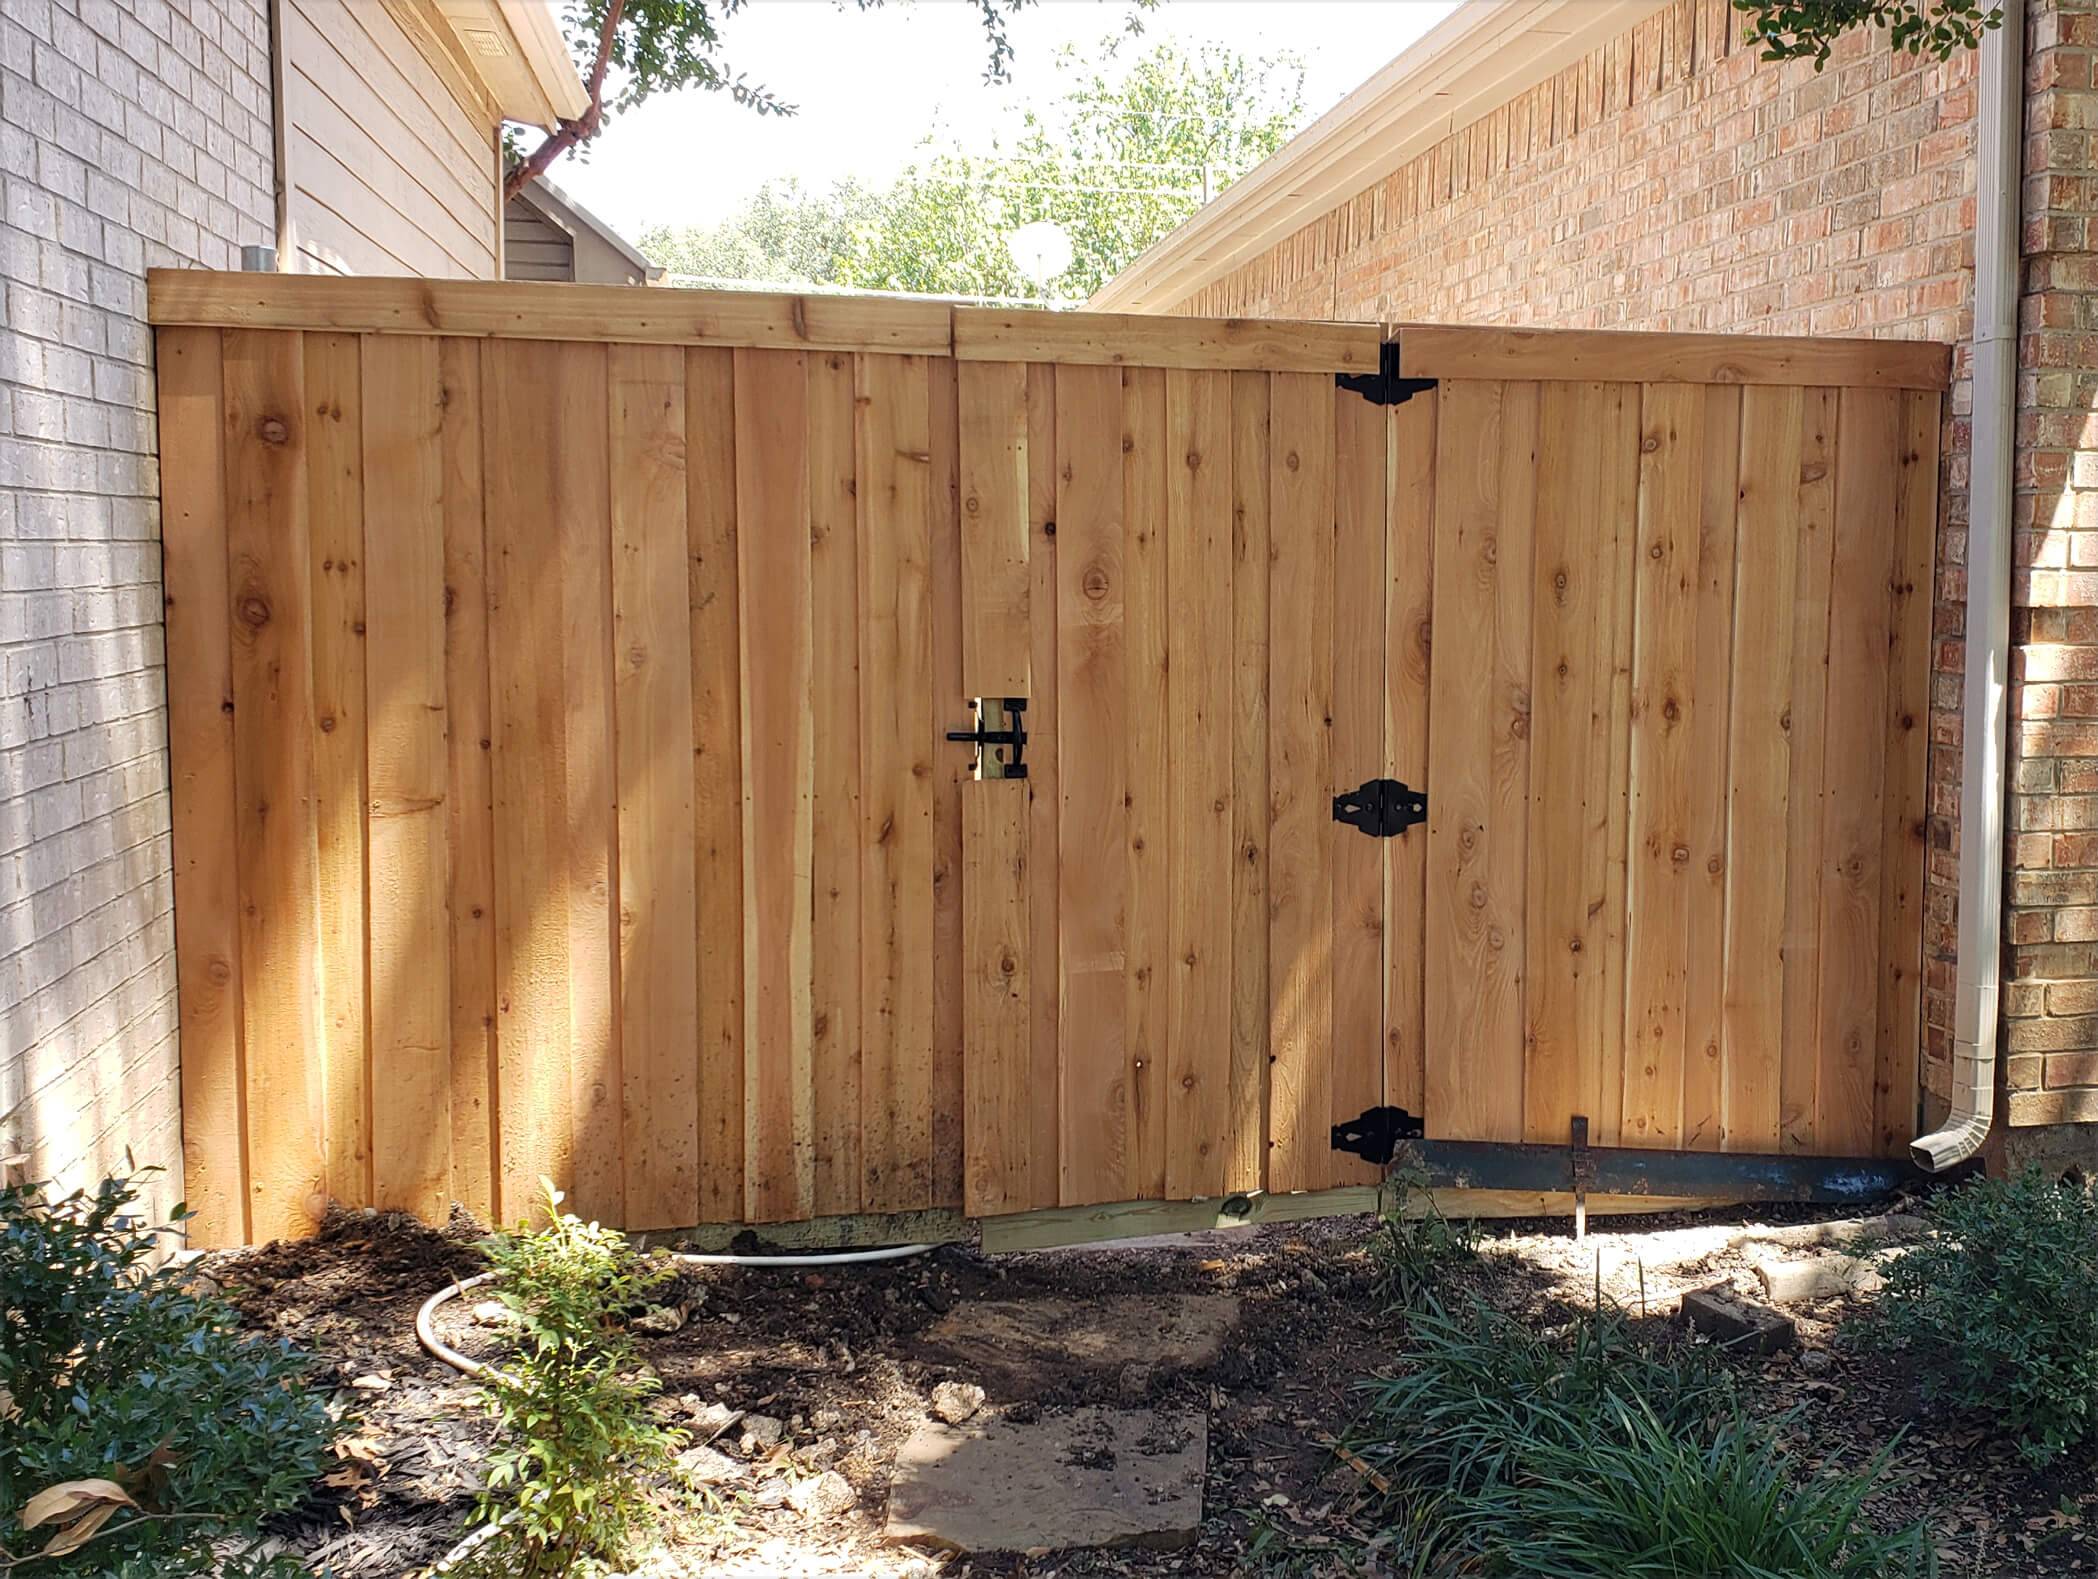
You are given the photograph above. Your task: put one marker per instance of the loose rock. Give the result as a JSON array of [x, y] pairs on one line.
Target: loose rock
[[702, 1466], [823, 1497], [761, 1433], [955, 1402], [1818, 1277]]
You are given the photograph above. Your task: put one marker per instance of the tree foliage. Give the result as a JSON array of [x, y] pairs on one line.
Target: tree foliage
[[1801, 29], [1126, 152]]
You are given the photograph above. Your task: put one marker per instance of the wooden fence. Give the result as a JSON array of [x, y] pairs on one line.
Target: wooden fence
[[560, 678]]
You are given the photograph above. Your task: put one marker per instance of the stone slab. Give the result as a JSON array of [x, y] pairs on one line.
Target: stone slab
[[1092, 1477], [1018, 1343]]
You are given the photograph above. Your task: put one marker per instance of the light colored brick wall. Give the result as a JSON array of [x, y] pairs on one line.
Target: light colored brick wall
[[2051, 1001], [1675, 181], [133, 133]]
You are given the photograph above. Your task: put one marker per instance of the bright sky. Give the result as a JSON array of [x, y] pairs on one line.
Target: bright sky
[[870, 86]]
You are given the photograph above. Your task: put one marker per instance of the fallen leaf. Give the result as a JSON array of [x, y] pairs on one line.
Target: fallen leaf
[[69, 1499], [80, 1531]]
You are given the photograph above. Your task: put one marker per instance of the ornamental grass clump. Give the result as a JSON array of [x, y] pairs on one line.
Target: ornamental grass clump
[[570, 1481], [1995, 1312], [143, 1435], [1594, 1454]]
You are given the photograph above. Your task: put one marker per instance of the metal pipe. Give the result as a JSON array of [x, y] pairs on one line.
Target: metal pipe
[[1999, 141]]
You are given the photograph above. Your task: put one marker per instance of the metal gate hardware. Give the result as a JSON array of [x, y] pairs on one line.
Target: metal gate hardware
[[991, 764], [1376, 1134], [1381, 808], [1386, 386]]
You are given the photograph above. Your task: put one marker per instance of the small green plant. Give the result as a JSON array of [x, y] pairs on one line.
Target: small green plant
[[144, 1433], [1640, 1500], [1808, 29], [1997, 1309], [1417, 1245], [568, 1483]]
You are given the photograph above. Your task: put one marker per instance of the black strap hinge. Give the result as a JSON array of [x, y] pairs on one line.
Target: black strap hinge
[[1387, 386], [1381, 808], [1375, 1135]]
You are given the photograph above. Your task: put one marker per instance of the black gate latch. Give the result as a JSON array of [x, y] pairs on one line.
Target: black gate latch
[[1376, 1134], [1015, 737], [1387, 386], [1382, 808]]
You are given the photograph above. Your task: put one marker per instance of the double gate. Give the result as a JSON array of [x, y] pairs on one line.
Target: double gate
[[562, 685]]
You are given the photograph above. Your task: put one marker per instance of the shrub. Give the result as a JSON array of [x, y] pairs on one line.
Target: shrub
[[569, 1481], [1593, 1453], [142, 1426], [1997, 1309]]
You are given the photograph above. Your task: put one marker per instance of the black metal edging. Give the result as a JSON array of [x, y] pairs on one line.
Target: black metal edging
[[1629, 1170]]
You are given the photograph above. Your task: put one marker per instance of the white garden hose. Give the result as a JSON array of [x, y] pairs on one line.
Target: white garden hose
[[426, 1317]]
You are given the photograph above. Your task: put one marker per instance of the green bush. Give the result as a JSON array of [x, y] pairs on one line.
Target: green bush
[[568, 1483], [1997, 1309], [179, 1432], [1591, 1452]]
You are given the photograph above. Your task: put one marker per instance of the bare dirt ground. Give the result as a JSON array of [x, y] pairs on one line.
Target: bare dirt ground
[[846, 1359]]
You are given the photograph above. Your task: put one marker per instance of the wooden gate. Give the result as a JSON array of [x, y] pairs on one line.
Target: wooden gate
[[561, 681]]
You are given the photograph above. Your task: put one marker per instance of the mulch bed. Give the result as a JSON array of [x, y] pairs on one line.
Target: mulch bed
[[846, 1359]]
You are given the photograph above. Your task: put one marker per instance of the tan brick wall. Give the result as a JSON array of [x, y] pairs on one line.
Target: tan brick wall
[[2051, 1004], [1673, 180]]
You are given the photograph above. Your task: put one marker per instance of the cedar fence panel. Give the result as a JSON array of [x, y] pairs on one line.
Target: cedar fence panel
[[561, 680]]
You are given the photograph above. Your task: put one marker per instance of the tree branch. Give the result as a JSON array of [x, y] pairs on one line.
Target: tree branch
[[571, 132]]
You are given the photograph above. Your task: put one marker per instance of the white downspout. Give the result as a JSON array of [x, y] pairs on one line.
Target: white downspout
[[1999, 142]]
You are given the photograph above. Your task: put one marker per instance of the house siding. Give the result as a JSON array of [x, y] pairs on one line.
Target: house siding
[[1673, 180], [388, 172], [133, 134]]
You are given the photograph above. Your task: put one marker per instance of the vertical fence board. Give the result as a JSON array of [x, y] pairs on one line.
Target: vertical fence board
[[1710, 861], [996, 650], [1759, 763], [1092, 705], [772, 545], [1300, 778], [410, 1063], [1148, 621], [946, 763], [1361, 439], [1868, 448], [335, 470], [201, 762], [1582, 441], [1246, 1122], [1906, 809], [998, 1175], [1198, 556], [717, 773], [1409, 622], [1043, 793], [1485, 485], [582, 505], [534, 1105], [897, 723], [268, 548], [1799, 1066], [834, 976], [469, 789], [652, 745], [1663, 766]]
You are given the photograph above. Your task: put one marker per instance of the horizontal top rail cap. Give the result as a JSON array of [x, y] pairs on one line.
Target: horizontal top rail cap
[[518, 310], [1029, 334], [1633, 357]]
